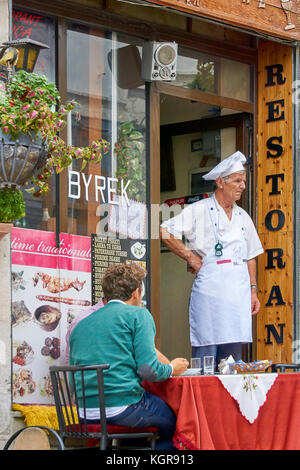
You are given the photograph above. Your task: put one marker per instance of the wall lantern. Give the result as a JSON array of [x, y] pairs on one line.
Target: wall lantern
[[21, 54]]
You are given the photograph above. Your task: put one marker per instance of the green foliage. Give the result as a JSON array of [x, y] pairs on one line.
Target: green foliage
[[12, 206], [130, 151], [204, 79]]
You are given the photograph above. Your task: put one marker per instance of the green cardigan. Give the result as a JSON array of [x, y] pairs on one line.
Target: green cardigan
[[123, 336]]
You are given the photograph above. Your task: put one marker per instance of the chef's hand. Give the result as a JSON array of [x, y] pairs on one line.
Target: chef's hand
[[180, 365], [255, 303], [195, 263]]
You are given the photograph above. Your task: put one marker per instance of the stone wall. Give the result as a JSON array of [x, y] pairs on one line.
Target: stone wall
[[6, 424]]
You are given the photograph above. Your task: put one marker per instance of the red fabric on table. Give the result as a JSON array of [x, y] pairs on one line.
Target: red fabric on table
[[209, 418]]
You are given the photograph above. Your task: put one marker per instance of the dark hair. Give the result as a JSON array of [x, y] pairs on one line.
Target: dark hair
[[121, 280]]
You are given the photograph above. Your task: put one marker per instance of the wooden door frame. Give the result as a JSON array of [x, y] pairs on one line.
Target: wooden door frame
[[155, 90]]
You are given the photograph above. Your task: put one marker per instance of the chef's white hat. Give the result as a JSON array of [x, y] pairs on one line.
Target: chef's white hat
[[233, 164]]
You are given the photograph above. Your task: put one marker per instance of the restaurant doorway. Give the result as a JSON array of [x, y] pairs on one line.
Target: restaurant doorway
[[194, 136]]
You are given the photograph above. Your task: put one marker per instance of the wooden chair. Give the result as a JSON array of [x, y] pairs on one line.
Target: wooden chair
[[285, 367], [67, 391], [33, 438]]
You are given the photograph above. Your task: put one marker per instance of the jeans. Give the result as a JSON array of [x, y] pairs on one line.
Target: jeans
[[219, 351], [149, 411]]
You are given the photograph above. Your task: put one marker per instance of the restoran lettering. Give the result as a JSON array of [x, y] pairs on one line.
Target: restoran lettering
[[275, 219]]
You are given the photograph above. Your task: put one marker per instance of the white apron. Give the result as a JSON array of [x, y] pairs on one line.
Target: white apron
[[220, 302]]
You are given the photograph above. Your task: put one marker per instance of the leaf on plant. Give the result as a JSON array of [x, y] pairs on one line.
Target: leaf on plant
[[30, 190], [83, 165], [136, 135], [139, 145], [126, 127]]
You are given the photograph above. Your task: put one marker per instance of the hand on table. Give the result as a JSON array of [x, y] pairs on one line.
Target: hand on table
[[180, 365]]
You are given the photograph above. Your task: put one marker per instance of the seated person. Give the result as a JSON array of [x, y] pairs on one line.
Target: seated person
[[85, 313], [122, 334]]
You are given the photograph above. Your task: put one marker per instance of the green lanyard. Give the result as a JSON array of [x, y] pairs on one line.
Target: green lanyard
[[218, 246]]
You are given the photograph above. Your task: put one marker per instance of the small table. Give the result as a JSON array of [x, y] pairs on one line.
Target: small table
[[209, 418]]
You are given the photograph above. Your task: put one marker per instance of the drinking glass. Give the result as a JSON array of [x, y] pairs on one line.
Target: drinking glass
[[196, 364], [208, 365]]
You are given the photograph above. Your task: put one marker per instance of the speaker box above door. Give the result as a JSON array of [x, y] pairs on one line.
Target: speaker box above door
[[159, 61], [129, 65]]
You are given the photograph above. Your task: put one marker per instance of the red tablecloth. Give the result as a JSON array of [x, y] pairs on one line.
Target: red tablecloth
[[209, 418]]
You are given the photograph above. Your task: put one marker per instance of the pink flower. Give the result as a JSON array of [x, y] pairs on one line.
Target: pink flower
[[33, 114], [24, 108], [6, 130], [60, 123], [36, 103], [93, 156], [32, 94]]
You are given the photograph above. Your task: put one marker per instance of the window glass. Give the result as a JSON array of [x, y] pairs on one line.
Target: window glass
[[211, 74], [40, 212], [103, 76]]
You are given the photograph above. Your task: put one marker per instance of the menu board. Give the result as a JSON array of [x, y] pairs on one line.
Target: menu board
[[50, 286], [107, 251]]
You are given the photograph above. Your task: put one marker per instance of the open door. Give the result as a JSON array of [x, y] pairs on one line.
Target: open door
[[187, 138]]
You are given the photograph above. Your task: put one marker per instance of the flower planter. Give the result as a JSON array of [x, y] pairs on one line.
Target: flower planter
[[19, 158], [5, 229], [29, 107]]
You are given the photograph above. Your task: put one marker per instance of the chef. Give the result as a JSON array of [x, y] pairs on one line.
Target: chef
[[221, 249]]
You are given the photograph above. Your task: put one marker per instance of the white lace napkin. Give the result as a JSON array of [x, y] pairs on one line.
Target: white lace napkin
[[249, 390]]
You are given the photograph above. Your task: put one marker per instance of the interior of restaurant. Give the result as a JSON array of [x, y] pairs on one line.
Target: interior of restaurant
[[195, 136]]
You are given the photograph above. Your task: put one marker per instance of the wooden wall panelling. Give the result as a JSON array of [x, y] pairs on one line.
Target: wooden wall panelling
[[209, 98], [273, 17], [154, 111], [275, 193], [111, 20]]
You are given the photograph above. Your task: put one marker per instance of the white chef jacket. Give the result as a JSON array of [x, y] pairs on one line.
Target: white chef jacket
[[194, 223], [220, 302]]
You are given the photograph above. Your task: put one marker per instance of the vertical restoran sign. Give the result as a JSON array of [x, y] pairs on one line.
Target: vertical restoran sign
[[275, 202]]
